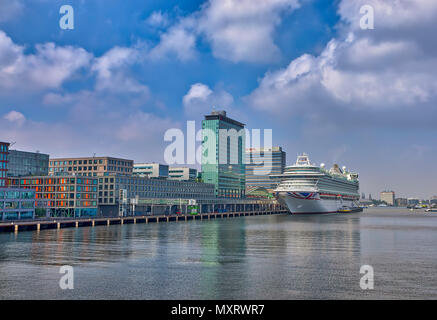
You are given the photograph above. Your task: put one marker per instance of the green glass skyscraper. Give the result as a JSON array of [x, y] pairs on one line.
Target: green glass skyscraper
[[223, 154]]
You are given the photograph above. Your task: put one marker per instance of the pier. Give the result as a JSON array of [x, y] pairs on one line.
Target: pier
[[61, 223]]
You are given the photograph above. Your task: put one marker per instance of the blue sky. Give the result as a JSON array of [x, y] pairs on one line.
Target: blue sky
[[130, 70]]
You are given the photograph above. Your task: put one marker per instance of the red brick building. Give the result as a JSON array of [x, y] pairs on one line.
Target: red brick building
[[4, 152]]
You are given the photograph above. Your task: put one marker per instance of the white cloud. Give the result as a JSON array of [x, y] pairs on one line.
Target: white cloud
[[49, 67], [390, 14], [15, 117], [53, 65], [114, 58], [199, 92], [242, 30], [200, 99], [158, 19], [363, 71], [407, 20], [237, 30], [114, 113], [9, 52], [178, 41], [112, 71]]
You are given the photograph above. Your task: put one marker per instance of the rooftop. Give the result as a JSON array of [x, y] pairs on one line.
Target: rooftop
[[221, 115]]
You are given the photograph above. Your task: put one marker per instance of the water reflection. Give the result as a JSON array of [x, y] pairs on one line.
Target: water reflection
[[277, 257]]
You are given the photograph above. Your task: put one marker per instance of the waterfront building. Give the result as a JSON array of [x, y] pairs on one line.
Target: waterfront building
[[76, 196], [388, 197], [413, 201], [151, 170], [365, 202], [261, 163], [66, 196], [23, 163], [223, 148], [4, 152], [90, 166], [116, 191], [401, 202], [182, 174], [258, 193], [17, 204]]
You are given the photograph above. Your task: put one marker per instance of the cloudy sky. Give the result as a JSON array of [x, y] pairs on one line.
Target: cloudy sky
[[130, 70]]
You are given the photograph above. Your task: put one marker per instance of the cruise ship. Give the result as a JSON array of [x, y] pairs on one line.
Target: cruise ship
[[307, 188]]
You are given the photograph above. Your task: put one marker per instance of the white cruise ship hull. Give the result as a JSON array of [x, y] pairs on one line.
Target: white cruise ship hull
[[308, 203]]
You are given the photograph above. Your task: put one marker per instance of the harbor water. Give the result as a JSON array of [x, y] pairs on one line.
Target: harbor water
[[258, 257]]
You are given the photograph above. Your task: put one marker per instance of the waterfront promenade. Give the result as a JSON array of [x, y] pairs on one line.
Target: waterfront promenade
[[60, 223]]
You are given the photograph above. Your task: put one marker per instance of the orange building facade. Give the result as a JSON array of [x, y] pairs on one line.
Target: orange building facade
[[64, 196]]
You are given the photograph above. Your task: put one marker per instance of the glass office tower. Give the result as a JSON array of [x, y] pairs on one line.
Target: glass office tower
[[223, 147], [263, 162], [23, 163]]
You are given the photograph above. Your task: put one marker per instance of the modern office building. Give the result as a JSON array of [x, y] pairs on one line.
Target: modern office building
[[388, 197], [365, 202], [16, 204], [91, 166], [66, 196], [261, 163], [182, 174], [413, 201], [23, 163], [401, 202], [223, 155], [151, 170], [4, 152], [114, 189]]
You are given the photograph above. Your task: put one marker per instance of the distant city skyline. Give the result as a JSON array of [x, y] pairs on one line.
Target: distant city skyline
[[288, 162], [115, 83]]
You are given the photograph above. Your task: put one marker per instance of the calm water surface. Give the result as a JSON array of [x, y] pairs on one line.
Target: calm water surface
[[263, 257]]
